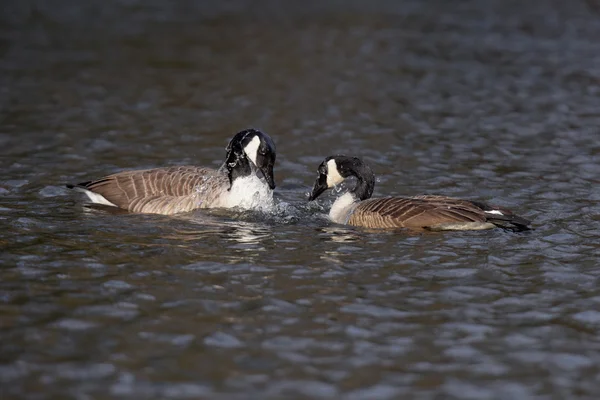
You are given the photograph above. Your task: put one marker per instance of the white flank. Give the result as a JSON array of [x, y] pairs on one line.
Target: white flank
[[96, 198], [333, 175], [251, 149], [497, 212], [341, 208], [461, 226], [249, 193]]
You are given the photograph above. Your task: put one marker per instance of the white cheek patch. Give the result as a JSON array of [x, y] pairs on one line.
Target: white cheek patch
[[333, 175], [497, 212], [251, 149]]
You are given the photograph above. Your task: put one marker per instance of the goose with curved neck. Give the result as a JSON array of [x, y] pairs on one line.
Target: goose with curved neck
[[333, 171], [419, 212], [244, 180]]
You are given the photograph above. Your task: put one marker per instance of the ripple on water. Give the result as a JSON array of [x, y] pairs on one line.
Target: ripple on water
[[14, 184], [51, 191], [179, 340], [590, 317], [459, 389], [374, 311], [117, 285], [310, 389], [121, 310], [128, 385], [380, 391], [77, 372], [71, 324], [223, 340]]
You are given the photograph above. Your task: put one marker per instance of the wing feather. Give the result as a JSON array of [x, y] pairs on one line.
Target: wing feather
[[161, 190], [430, 211], [415, 212]]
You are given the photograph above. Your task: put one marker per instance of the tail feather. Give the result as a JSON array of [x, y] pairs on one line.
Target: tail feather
[[94, 197], [503, 217], [512, 222]]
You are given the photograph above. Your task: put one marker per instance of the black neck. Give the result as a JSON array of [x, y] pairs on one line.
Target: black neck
[[364, 186], [237, 164], [363, 189], [240, 170], [363, 173]]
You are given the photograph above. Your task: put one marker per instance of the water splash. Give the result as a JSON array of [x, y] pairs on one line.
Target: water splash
[[250, 193], [338, 189], [222, 169], [203, 189]]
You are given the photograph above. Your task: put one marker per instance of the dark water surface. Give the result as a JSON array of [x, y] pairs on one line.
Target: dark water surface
[[488, 100]]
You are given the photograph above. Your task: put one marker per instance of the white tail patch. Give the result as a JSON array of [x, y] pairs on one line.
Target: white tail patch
[[251, 149], [497, 212], [95, 197]]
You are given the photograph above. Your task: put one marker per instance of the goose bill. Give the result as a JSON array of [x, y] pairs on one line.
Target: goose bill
[[267, 171], [320, 187]]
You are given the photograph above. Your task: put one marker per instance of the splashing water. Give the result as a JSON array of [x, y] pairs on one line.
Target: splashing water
[[203, 189], [251, 193], [337, 189], [342, 187]]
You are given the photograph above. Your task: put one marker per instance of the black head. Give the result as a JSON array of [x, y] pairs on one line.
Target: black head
[[334, 169], [248, 150]]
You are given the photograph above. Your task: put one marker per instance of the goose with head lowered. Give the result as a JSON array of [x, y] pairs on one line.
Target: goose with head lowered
[[244, 180], [425, 212]]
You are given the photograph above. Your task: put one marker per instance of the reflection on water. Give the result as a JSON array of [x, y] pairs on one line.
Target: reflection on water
[[486, 100], [245, 236], [339, 234]]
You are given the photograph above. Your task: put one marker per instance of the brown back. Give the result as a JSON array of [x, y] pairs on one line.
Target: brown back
[[414, 212], [162, 190]]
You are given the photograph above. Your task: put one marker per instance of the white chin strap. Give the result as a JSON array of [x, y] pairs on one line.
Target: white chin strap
[[251, 149], [333, 175]]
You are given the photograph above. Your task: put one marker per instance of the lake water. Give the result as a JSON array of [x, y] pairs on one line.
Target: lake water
[[496, 101]]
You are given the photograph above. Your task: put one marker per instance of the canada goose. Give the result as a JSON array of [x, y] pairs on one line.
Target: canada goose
[[172, 190], [420, 212]]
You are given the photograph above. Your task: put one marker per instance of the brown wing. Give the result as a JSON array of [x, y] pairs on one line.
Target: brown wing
[[166, 205], [158, 190], [415, 212]]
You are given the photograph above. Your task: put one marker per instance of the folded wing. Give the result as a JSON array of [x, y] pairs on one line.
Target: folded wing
[[160, 190], [433, 212]]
